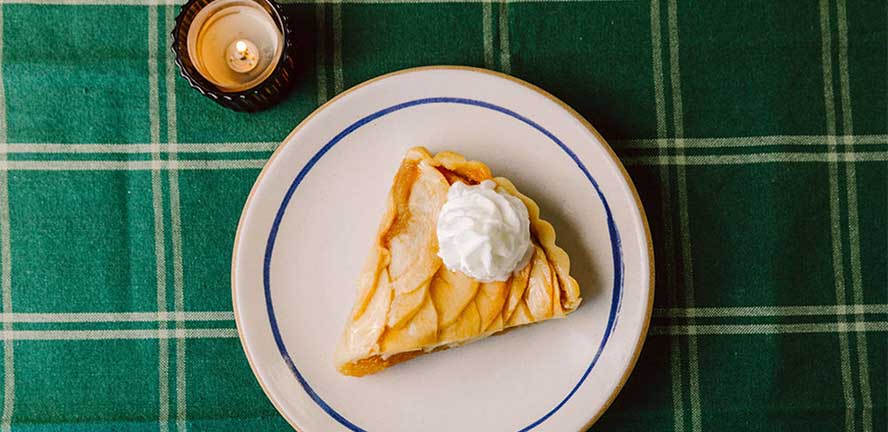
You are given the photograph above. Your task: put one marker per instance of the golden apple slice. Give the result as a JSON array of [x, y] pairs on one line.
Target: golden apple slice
[[467, 325], [538, 295], [362, 333], [490, 300], [517, 285], [420, 331], [521, 316], [368, 281], [451, 292], [406, 305], [472, 171], [412, 239], [496, 325], [557, 309]]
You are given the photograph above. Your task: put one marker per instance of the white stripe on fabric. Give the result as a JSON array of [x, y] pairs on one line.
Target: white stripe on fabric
[[77, 335], [677, 388], [505, 50], [660, 99], [176, 231], [59, 148], [764, 329], [157, 203], [665, 185], [179, 300], [112, 317], [834, 211], [487, 33], [67, 165], [748, 141], [759, 158], [338, 74], [682, 187], [853, 216], [163, 382], [321, 52], [770, 311], [153, 83], [181, 387]]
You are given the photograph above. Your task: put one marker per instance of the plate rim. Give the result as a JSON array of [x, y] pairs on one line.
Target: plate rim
[[642, 337]]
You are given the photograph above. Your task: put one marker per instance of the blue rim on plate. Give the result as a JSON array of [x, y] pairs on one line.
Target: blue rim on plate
[[616, 248]]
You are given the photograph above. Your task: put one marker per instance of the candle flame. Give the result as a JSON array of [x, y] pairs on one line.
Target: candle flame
[[242, 55], [241, 46]]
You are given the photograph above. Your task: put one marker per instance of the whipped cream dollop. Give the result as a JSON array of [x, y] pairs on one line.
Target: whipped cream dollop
[[483, 233]]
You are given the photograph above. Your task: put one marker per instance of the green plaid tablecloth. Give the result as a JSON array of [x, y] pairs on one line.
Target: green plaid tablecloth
[[756, 132]]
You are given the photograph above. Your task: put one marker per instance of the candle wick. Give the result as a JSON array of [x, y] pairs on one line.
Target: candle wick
[[242, 56], [243, 50]]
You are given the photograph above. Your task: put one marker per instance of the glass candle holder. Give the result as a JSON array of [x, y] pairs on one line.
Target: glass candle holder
[[238, 53]]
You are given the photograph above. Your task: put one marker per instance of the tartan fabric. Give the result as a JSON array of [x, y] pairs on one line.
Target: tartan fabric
[[756, 132]]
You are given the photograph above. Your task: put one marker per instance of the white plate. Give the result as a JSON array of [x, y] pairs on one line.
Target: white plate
[[314, 211]]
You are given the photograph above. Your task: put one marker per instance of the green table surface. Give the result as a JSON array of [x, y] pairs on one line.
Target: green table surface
[[755, 131]]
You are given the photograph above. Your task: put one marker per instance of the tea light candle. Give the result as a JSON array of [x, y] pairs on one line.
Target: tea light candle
[[234, 44], [231, 49]]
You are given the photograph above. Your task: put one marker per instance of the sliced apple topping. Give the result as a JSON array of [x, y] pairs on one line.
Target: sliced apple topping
[[413, 242], [406, 305], [467, 325], [362, 333], [490, 300], [451, 292], [420, 331], [517, 285], [538, 295], [521, 316]]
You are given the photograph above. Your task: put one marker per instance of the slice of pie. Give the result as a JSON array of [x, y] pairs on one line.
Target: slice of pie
[[409, 303]]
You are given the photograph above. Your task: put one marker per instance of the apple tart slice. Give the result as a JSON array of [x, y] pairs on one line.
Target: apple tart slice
[[409, 303]]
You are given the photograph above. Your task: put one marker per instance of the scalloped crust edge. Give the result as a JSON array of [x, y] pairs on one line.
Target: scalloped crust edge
[[545, 233]]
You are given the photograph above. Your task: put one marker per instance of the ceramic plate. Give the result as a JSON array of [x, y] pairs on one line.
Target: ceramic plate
[[312, 214]]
